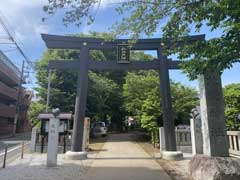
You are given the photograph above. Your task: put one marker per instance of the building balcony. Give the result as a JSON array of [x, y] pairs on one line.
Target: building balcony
[[9, 73], [7, 93], [7, 111], [6, 128]]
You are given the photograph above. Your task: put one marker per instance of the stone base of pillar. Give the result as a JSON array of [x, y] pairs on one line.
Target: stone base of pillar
[[172, 155], [214, 168], [70, 155]]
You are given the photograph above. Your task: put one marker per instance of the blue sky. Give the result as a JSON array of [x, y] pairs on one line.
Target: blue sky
[[24, 18]]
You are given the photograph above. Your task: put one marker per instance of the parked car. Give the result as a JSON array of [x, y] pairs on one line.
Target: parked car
[[100, 129]]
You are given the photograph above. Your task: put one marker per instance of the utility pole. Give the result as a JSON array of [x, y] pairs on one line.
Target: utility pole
[[13, 40], [18, 104]]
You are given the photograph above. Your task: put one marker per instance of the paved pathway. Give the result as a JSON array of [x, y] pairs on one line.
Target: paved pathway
[[122, 159]]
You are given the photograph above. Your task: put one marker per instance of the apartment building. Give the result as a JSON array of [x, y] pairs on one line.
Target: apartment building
[[9, 81]]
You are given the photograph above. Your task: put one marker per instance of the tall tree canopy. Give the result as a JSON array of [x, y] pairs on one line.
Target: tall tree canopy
[[175, 19]]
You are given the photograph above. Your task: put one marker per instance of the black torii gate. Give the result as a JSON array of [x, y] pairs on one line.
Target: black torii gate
[[84, 63]]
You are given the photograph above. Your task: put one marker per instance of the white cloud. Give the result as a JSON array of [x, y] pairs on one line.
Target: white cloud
[[106, 3], [24, 18]]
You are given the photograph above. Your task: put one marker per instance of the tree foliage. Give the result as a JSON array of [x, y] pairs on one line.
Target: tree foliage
[[136, 89], [184, 99], [33, 112], [102, 95], [175, 19], [232, 105], [184, 17], [142, 99]]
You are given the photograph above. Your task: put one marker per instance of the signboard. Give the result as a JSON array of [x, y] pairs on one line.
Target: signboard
[[62, 126], [123, 53]]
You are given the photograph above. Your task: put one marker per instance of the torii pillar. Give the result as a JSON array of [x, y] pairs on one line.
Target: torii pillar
[[77, 152], [170, 152]]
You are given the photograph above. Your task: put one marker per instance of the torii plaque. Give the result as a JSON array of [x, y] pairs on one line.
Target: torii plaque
[[84, 63]]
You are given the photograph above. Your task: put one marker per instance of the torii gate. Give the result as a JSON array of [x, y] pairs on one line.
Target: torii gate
[[84, 63]]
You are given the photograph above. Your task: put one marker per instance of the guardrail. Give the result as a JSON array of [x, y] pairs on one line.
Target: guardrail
[[19, 135], [14, 153], [234, 142]]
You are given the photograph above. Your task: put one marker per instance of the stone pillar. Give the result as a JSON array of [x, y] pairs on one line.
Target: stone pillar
[[86, 132], [52, 148], [196, 132], [162, 139], [215, 142], [33, 139], [168, 121]]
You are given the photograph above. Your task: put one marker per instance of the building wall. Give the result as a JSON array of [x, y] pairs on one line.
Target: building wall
[[9, 80]]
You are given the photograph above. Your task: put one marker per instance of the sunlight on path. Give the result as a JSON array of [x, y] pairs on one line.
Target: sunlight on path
[[121, 159]]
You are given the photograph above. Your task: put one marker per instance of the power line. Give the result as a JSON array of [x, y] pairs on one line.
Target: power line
[[22, 79], [13, 39], [9, 50], [6, 43]]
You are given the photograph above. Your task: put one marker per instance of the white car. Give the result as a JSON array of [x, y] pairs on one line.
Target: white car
[[100, 129]]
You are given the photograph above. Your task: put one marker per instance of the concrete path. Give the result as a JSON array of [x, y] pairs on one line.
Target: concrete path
[[122, 159]]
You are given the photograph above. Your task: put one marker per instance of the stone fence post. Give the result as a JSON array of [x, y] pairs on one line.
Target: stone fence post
[[33, 139], [196, 131], [162, 139]]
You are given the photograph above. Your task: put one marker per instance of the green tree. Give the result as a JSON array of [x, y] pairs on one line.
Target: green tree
[[142, 99], [184, 100], [63, 83], [35, 109], [175, 19], [136, 88], [102, 91], [151, 111], [232, 105]]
